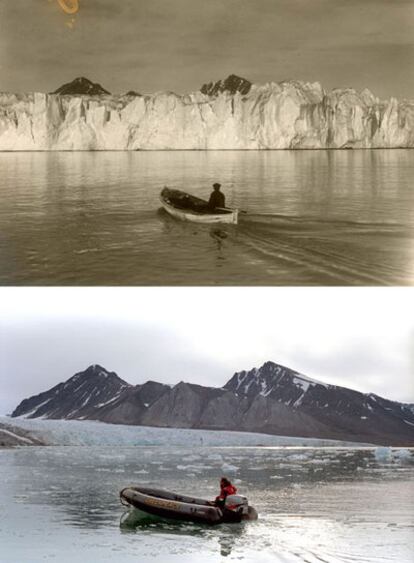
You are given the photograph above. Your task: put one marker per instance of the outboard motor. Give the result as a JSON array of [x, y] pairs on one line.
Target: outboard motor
[[237, 503]]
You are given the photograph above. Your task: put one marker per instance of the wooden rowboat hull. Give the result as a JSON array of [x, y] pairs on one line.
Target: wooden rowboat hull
[[229, 216]]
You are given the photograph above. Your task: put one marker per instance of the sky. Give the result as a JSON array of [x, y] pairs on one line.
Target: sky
[[362, 338], [178, 45]]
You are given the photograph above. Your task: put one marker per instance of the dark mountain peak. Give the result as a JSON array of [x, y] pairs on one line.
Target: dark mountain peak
[[78, 397], [95, 369], [231, 84], [81, 86], [263, 380], [98, 372], [272, 367], [150, 391], [150, 383], [275, 382], [133, 93]]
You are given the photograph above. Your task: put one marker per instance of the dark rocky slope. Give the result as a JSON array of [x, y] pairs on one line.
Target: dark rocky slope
[[272, 399]]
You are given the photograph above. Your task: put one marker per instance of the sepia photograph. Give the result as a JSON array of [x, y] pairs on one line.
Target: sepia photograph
[[228, 142]]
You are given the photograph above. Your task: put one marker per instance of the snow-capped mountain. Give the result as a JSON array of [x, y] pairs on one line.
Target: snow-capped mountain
[[228, 114], [79, 397], [272, 399], [274, 381], [332, 406]]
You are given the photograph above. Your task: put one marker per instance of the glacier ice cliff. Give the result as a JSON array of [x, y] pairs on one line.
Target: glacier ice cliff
[[286, 115]]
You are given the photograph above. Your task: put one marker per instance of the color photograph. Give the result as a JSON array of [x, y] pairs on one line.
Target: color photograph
[[139, 428]]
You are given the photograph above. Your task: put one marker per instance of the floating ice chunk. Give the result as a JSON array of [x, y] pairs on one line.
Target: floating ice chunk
[[298, 457], [197, 468], [383, 453], [192, 458], [404, 455], [228, 468], [215, 457]]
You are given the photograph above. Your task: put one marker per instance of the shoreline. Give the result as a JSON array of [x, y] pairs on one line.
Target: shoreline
[[300, 149], [12, 436]]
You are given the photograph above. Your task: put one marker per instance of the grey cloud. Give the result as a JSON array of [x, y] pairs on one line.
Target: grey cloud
[[363, 365], [37, 356]]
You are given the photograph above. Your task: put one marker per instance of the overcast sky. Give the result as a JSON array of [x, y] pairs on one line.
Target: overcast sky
[[361, 338], [151, 45]]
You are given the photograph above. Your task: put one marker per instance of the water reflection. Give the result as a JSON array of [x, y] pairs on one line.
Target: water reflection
[[227, 535], [331, 502], [314, 217]]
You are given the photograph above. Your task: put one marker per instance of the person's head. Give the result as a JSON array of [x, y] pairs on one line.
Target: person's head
[[224, 482], [216, 186]]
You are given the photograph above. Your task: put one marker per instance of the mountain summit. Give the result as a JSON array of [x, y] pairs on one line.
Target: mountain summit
[[272, 399], [78, 397], [81, 87], [231, 84]]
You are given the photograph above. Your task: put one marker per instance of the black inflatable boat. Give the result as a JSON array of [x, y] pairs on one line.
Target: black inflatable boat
[[173, 506]]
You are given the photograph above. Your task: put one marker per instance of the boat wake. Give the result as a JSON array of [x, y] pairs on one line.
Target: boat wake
[[275, 249], [331, 252]]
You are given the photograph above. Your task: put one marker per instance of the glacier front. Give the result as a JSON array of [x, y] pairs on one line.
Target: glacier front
[[285, 115]]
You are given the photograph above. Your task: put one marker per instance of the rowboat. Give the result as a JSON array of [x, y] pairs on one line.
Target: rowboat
[[173, 506], [190, 208]]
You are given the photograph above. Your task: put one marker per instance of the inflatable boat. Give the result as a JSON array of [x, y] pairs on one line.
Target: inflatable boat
[[190, 208], [165, 504]]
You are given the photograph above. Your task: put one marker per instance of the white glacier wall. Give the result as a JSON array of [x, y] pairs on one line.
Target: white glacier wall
[[287, 115], [91, 433]]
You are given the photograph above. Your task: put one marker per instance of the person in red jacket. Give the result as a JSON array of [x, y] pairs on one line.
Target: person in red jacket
[[226, 489]]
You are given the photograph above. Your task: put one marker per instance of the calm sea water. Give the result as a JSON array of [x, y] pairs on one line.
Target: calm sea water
[[315, 505], [313, 217]]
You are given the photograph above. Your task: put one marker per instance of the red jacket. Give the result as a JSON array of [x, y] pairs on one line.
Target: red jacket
[[225, 491]]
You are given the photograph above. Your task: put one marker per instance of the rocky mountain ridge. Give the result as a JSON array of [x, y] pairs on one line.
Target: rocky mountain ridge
[[272, 399], [12, 436], [81, 87], [228, 114]]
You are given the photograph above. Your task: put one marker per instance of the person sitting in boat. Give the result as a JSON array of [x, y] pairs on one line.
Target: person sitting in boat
[[226, 489], [217, 198]]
